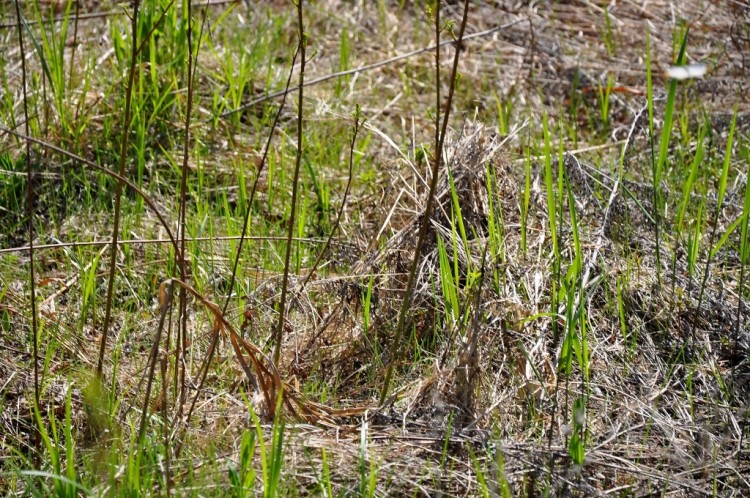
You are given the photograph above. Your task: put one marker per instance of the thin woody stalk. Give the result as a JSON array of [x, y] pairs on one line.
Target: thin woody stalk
[[436, 164], [29, 208], [118, 188], [295, 184]]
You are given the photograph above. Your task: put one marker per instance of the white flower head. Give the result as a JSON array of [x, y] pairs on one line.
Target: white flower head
[[689, 71]]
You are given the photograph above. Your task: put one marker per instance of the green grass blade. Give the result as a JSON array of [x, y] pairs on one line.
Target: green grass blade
[[56, 477], [551, 202], [688, 187], [666, 131], [725, 168]]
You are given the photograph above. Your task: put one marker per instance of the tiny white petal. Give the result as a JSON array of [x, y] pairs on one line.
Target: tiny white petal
[[687, 72]]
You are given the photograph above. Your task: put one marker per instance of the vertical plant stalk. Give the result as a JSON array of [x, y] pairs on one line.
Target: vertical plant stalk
[[214, 340], [45, 107], [181, 348], [29, 209], [118, 189], [719, 204], [75, 44], [164, 363], [183, 189], [165, 301], [295, 185], [437, 162]]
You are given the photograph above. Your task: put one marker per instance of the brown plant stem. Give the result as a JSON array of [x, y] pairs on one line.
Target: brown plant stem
[[295, 185], [163, 363], [181, 347], [203, 372], [165, 300], [118, 189], [437, 161], [29, 211], [75, 44]]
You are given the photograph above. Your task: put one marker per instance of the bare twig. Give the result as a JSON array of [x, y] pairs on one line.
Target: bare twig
[[295, 185], [181, 347], [29, 210], [75, 43], [118, 188], [437, 161], [165, 300], [164, 362]]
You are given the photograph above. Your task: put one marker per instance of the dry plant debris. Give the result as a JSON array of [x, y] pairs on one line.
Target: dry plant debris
[[481, 403]]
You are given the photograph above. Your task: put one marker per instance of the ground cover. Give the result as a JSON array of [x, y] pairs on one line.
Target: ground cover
[[576, 321]]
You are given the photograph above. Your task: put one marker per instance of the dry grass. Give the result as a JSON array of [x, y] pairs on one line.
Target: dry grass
[[657, 423]]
